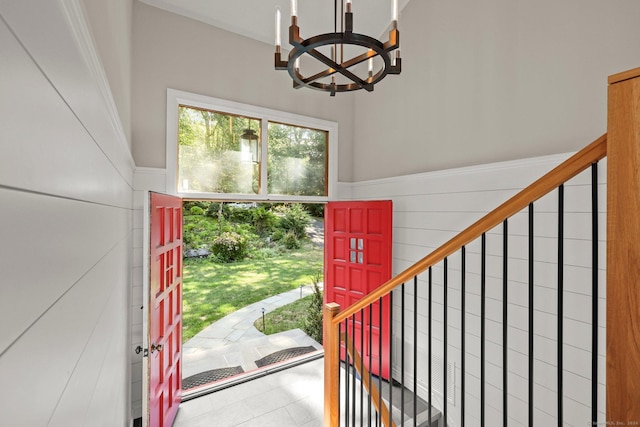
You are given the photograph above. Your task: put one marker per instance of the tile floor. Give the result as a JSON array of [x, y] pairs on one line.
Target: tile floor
[[292, 397]]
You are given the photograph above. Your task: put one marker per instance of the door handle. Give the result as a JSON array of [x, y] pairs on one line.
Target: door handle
[[156, 347]]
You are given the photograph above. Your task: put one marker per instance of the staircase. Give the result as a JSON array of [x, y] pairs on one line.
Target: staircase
[[510, 375]]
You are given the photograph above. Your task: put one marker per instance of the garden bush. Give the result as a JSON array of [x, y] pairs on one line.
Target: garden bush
[[290, 240], [196, 210], [315, 209], [263, 220], [198, 232], [313, 322], [295, 219], [229, 246]]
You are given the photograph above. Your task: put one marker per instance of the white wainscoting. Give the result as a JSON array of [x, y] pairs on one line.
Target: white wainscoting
[[431, 208], [66, 177]]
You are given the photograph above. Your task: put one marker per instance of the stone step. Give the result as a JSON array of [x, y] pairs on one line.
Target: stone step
[[244, 353], [420, 412]]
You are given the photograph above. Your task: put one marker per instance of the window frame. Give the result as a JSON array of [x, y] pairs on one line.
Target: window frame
[[176, 98]]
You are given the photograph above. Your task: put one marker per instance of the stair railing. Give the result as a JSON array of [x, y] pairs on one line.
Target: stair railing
[[334, 339], [621, 146]]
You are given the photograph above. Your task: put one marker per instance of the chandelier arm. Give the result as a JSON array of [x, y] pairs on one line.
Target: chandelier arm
[[359, 59], [394, 40], [340, 69], [326, 73]]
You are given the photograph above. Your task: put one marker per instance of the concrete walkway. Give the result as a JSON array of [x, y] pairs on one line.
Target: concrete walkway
[[234, 341]]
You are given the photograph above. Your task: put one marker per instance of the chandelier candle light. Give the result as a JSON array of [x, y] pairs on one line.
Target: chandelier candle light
[[347, 41]]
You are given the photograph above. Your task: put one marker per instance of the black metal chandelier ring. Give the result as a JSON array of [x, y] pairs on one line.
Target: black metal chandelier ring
[[310, 46], [388, 52]]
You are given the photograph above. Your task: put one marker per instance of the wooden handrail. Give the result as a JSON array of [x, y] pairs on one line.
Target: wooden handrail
[[571, 167]]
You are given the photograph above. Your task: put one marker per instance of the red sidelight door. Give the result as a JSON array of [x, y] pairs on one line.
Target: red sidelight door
[[165, 309], [357, 261]]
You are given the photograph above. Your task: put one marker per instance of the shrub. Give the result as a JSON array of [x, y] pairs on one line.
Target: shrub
[[290, 240], [196, 210], [212, 209], [263, 220], [188, 205], [295, 219], [239, 212], [198, 232], [315, 209], [313, 322], [229, 246]]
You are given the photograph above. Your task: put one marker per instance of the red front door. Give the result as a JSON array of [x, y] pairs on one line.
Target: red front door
[[357, 261], [165, 309]]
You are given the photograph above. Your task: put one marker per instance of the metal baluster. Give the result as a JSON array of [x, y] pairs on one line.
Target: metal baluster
[[370, 309], [505, 322], [444, 351], [402, 326], [379, 416], [390, 358], [560, 302], [483, 295], [339, 326], [430, 298], [354, 373], [362, 361], [594, 294], [531, 266], [463, 303], [415, 351], [347, 407]]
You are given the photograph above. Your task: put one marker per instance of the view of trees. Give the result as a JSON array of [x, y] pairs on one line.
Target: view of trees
[[211, 158]]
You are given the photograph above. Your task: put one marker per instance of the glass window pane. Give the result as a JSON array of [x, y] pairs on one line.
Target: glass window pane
[[212, 156], [297, 160]]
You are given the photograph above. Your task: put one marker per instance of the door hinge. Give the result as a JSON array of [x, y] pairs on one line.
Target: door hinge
[[145, 351]]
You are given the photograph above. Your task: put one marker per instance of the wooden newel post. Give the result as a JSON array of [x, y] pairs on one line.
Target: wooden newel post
[[623, 249], [330, 343]]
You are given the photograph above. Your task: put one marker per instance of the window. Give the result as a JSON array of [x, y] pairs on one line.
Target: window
[[225, 150]]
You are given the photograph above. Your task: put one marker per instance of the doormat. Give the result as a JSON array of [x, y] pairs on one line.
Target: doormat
[[211, 376], [282, 355]]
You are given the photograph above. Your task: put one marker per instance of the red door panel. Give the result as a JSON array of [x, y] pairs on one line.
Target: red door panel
[[358, 260], [165, 309]]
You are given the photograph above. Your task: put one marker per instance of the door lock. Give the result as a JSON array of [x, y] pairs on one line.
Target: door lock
[[156, 347]]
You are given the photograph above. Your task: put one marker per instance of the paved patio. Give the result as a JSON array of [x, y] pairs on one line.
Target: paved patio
[[234, 341]]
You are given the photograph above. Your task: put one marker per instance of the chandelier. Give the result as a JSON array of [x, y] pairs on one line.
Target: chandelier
[[341, 54]]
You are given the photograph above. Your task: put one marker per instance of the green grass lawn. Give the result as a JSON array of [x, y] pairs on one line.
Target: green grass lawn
[[285, 318], [212, 290]]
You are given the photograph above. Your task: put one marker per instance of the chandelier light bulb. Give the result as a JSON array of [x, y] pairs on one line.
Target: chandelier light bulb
[[278, 36], [294, 8], [394, 11]]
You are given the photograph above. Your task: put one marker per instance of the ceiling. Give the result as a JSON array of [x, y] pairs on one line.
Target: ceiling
[[256, 18]]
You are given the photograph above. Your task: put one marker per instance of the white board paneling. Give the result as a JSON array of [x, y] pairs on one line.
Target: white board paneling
[[54, 242], [431, 208]]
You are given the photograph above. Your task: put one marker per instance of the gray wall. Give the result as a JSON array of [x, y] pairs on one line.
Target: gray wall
[[493, 80], [481, 82], [65, 224], [171, 51], [110, 23]]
